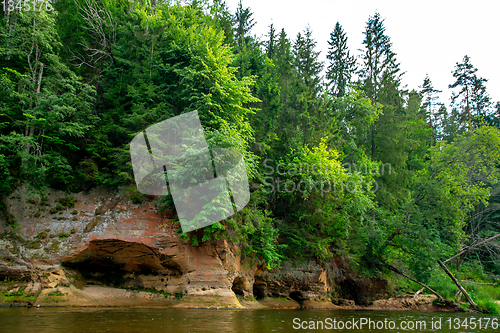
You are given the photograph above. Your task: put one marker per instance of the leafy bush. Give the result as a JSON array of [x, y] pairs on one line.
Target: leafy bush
[[136, 196], [59, 172]]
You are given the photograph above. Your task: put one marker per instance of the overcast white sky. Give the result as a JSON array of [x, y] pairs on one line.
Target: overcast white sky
[[428, 36]]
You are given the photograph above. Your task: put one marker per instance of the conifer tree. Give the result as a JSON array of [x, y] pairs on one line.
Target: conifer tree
[[390, 139], [480, 99], [342, 64], [494, 117], [271, 42], [249, 57], [429, 96], [306, 61], [224, 19], [244, 24], [283, 59], [471, 99], [381, 79], [379, 60]]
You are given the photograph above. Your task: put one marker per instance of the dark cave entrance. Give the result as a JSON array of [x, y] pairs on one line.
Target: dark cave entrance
[[112, 262], [297, 296], [239, 285], [259, 288]]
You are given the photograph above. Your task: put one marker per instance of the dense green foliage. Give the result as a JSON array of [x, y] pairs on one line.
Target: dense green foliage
[[349, 164]]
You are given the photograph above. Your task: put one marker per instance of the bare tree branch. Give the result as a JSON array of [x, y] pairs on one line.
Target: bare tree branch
[[102, 28], [471, 247]]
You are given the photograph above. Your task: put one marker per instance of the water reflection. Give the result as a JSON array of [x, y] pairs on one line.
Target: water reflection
[[47, 320]]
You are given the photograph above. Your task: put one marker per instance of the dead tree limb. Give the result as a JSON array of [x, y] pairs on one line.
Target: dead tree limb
[[394, 269], [467, 249], [480, 283], [471, 247], [102, 28], [418, 293], [462, 290]]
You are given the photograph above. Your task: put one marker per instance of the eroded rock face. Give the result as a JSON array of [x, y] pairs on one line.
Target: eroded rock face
[[109, 240], [299, 281], [364, 291], [11, 266], [126, 264]]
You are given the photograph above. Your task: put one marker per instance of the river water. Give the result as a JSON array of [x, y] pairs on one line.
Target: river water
[[85, 320]]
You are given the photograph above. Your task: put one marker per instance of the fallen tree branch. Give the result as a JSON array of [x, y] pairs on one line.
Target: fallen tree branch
[[394, 269], [481, 283], [462, 290], [466, 250], [471, 247], [418, 293]]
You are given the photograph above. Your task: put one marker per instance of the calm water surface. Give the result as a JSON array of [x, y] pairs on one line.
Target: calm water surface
[[85, 320]]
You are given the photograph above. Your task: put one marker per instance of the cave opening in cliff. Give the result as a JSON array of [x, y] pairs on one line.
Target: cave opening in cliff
[[114, 262], [259, 288], [297, 296], [238, 285], [100, 271], [347, 289]]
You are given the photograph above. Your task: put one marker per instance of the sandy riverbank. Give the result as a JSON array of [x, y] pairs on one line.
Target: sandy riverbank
[[102, 296]]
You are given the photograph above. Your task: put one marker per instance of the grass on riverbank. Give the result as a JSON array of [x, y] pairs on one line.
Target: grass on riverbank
[[18, 295], [485, 296], [484, 290]]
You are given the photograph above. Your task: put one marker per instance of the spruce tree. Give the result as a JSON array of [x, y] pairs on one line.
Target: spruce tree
[[390, 139], [223, 19], [380, 79], [342, 64], [379, 60], [429, 96], [244, 24], [306, 61], [283, 59], [271, 42]]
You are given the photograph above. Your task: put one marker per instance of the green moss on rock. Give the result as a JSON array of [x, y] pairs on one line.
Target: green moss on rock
[[92, 224], [68, 201]]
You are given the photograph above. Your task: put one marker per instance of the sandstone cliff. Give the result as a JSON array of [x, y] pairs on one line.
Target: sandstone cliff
[[105, 239]]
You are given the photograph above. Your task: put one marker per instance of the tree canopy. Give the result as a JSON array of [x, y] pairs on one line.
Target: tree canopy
[[342, 160]]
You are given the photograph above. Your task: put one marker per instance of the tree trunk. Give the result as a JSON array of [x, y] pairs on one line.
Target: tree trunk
[[394, 269], [38, 84], [31, 131], [471, 302]]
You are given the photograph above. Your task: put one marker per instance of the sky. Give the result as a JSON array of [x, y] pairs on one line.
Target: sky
[[429, 37]]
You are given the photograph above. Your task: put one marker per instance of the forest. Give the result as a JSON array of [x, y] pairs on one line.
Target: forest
[[343, 160]]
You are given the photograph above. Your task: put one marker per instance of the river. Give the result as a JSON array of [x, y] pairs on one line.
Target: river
[[85, 320]]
